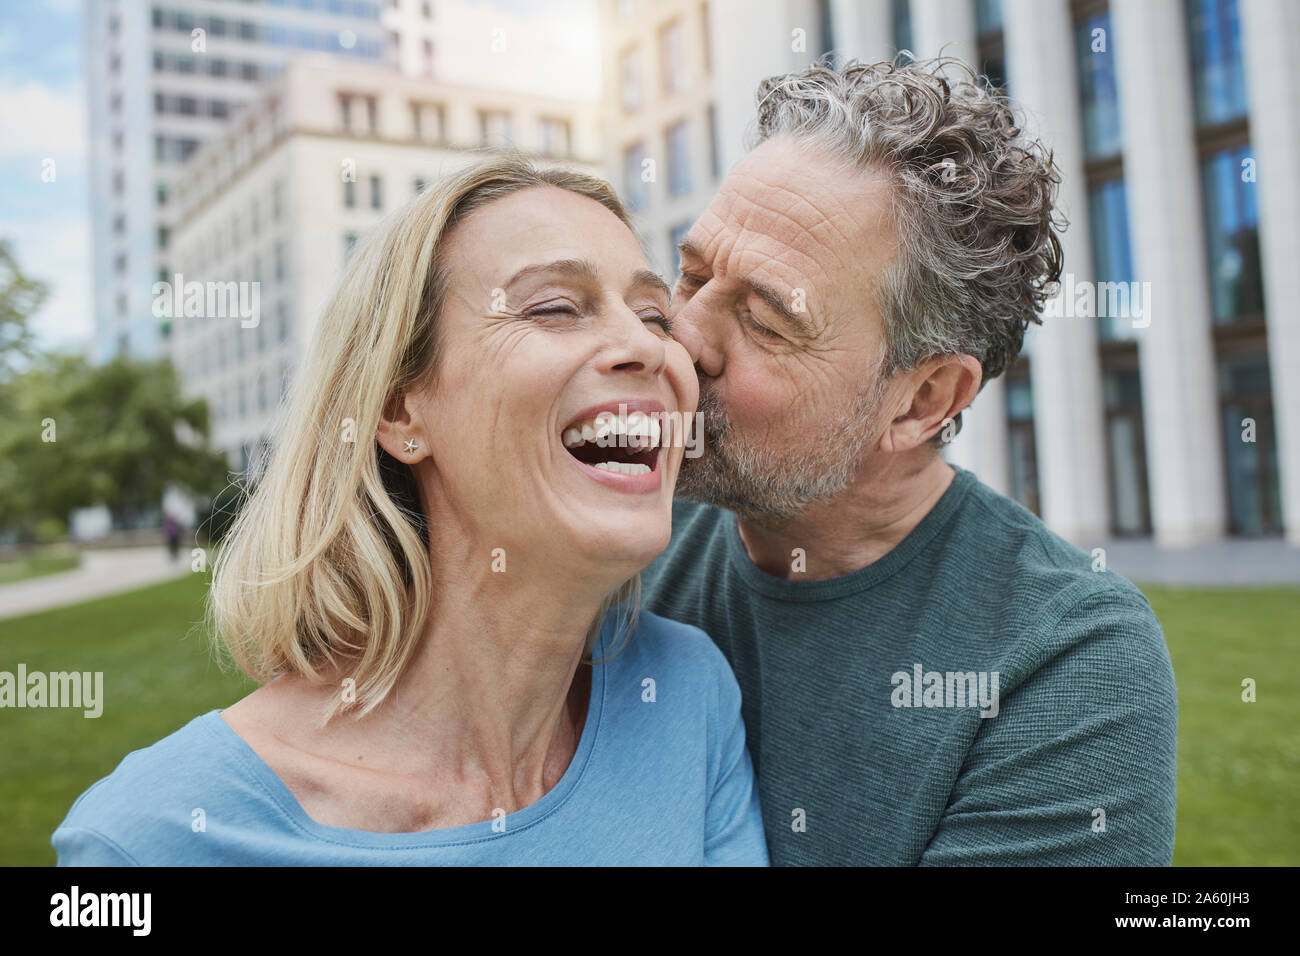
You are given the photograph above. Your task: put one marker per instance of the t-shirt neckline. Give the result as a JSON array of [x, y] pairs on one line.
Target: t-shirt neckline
[[283, 797], [874, 573]]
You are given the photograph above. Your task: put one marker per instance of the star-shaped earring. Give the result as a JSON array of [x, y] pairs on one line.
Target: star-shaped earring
[[411, 445]]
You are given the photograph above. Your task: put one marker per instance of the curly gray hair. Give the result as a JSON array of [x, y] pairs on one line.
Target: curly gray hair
[[972, 200]]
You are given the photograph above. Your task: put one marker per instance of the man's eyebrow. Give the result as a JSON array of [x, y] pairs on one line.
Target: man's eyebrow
[[688, 248], [769, 295], [778, 305], [573, 268]]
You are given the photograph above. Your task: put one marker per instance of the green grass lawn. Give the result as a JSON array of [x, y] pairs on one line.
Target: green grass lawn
[[157, 676], [1238, 763], [47, 561]]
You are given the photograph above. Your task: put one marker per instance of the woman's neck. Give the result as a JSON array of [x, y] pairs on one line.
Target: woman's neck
[[490, 698]]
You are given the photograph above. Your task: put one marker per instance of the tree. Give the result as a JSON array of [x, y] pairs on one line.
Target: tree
[[117, 434], [20, 297]]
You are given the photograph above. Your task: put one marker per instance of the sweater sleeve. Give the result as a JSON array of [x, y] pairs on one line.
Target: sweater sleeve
[[1077, 768]]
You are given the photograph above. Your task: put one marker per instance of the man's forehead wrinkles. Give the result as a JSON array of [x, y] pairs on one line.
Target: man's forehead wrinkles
[[757, 231]]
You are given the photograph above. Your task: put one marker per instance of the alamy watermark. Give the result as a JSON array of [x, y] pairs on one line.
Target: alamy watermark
[[74, 689], [922, 688], [208, 300], [1100, 300]]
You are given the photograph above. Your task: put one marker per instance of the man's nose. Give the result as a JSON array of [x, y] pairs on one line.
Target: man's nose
[[693, 328]]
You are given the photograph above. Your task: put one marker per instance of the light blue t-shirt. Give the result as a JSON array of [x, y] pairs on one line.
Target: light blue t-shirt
[[661, 776]]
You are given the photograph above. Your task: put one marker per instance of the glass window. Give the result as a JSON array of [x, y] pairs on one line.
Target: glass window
[[672, 61], [1232, 235], [555, 137], [1218, 81], [679, 160], [494, 128], [635, 190], [1250, 449], [629, 72], [902, 20], [1021, 446], [1095, 57], [376, 193], [988, 17], [1112, 255]]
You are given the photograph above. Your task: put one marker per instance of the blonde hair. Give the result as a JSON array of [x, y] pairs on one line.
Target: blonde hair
[[326, 568]]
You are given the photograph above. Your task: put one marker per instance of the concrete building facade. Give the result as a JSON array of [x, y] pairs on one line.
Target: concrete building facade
[[161, 78], [1160, 397]]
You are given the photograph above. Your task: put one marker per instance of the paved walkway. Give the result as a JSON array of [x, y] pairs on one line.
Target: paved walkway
[[1228, 563], [101, 572]]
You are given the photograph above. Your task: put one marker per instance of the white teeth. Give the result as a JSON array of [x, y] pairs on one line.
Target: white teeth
[[637, 430], [624, 468]]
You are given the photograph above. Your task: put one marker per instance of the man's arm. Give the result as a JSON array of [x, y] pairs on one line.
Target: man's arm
[[1078, 766]]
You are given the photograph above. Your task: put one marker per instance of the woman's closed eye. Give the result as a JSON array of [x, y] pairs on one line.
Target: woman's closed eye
[[654, 315], [552, 307]]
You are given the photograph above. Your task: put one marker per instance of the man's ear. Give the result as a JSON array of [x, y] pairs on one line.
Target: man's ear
[[400, 431], [940, 389]]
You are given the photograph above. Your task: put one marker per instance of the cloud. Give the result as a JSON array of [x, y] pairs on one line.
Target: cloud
[[37, 120], [57, 252]]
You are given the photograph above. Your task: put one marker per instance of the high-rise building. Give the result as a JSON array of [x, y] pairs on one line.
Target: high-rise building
[[162, 78], [1161, 395], [272, 208]]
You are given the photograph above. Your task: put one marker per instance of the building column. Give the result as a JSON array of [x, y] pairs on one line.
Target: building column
[[1176, 350], [1270, 29], [1064, 364], [945, 26], [862, 29]]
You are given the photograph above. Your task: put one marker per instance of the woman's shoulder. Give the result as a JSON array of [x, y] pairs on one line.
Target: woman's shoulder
[[165, 789]]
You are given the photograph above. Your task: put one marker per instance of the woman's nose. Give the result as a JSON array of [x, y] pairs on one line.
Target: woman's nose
[[634, 347]]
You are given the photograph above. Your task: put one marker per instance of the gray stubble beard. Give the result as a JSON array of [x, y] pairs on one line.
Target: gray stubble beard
[[771, 487]]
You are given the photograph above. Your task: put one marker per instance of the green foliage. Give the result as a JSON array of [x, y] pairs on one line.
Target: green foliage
[[119, 434], [20, 297]]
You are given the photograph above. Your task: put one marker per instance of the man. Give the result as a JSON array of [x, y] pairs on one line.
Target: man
[[930, 676]]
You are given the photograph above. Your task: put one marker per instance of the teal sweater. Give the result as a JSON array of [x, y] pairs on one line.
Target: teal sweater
[[979, 695]]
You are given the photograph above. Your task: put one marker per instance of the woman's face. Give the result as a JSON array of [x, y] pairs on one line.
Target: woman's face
[[551, 322]]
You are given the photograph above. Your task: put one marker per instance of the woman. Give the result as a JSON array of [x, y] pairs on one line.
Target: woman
[[444, 538]]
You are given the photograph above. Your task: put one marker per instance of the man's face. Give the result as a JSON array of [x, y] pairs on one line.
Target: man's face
[[777, 305]]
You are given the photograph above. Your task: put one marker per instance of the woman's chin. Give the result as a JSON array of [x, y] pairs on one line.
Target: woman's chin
[[625, 548]]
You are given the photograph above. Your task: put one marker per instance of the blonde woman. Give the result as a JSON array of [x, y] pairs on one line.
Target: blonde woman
[[436, 576]]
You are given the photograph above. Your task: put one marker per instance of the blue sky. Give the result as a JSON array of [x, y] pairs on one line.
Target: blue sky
[[42, 116]]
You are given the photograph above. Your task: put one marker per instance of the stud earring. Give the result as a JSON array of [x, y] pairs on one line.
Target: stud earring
[[411, 445]]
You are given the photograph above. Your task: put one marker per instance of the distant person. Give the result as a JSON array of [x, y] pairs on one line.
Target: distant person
[[172, 532], [445, 607]]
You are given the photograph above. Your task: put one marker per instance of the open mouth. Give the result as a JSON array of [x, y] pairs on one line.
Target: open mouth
[[627, 445]]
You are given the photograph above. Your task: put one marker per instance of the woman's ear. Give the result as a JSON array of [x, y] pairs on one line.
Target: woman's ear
[[401, 431]]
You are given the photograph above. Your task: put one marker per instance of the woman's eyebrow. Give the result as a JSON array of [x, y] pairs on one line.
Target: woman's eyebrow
[[644, 279], [573, 268]]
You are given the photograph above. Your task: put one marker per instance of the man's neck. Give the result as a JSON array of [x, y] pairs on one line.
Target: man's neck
[[856, 528]]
